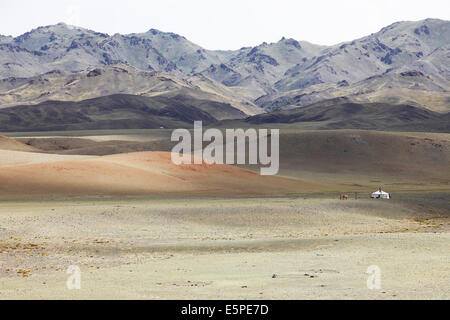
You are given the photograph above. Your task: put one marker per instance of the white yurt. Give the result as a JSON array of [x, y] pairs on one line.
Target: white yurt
[[380, 194]]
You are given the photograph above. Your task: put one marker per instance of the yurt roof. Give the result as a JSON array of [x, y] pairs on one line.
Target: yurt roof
[[379, 192]]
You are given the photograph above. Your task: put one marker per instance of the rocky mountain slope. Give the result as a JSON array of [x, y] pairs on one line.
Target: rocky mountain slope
[[409, 87], [267, 69], [403, 46], [116, 79], [70, 48]]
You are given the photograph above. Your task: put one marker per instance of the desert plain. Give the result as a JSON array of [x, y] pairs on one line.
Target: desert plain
[[139, 227]]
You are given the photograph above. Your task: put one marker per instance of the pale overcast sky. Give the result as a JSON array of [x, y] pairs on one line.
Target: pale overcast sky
[[225, 24]]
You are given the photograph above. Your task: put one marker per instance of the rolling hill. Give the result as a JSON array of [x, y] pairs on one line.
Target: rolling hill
[[333, 157], [141, 173], [116, 112], [370, 158], [123, 111], [342, 113], [14, 145]]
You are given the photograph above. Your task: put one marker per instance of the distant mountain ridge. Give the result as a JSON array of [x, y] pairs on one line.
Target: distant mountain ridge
[[253, 72]]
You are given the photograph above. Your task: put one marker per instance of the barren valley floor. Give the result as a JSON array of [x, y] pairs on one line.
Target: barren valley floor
[[215, 248]]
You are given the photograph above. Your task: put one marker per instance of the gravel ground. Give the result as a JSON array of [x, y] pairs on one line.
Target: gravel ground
[[244, 248]]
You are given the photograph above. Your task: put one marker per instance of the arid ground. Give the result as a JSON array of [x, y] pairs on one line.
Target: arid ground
[[139, 227]]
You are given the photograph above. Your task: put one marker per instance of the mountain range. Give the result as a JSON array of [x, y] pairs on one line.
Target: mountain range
[[116, 79], [406, 63]]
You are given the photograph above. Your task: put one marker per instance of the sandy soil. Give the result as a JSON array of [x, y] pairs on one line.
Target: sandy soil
[[12, 158], [12, 144], [134, 174], [206, 248]]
